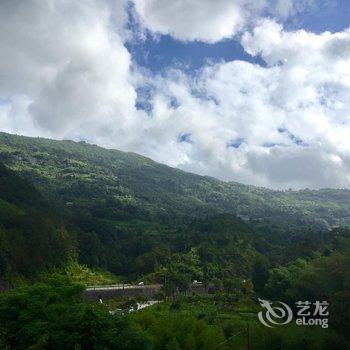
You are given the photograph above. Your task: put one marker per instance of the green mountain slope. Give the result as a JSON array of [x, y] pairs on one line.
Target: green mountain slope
[[119, 185], [63, 203], [33, 236]]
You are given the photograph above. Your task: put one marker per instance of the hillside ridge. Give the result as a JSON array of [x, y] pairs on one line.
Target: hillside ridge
[[79, 173]]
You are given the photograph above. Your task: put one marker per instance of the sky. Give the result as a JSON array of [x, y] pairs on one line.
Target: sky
[[254, 91]]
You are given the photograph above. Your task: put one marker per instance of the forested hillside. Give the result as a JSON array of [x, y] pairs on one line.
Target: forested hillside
[[128, 214], [70, 211], [33, 233], [117, 185]]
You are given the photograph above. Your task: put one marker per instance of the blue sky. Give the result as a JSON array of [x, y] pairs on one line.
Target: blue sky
[[164, 51], [323, 16]]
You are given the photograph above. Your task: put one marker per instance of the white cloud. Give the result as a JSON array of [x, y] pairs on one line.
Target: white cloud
[[286, 8], [64, 63], [187, 20], [66, 73], [211, 21], [288, 124]]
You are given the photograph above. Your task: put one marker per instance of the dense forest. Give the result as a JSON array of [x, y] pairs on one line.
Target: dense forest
[[68, 208]]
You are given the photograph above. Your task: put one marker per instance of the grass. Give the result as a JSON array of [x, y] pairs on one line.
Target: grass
[[88, 277]]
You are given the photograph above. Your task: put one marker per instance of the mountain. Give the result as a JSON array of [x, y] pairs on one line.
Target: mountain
[[121, 185], [33, 236], [63, 204]]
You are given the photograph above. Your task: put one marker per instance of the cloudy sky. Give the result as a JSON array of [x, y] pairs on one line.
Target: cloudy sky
[[255, 91]]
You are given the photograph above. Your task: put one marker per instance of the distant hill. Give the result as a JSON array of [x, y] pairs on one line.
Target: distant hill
[[120, 185]]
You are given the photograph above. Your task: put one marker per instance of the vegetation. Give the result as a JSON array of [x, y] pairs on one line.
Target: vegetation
[[33, 237], [52, 315], [117, 185], [214, 322], [86, 276], [73, 214]]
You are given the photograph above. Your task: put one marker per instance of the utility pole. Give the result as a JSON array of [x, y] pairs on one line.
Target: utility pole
[[248, 336], [165, 288]]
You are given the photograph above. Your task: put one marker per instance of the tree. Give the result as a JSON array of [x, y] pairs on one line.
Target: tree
[[260, 273], [52, 315]]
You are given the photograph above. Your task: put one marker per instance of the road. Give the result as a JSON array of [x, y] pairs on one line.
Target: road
[[123, 287]]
